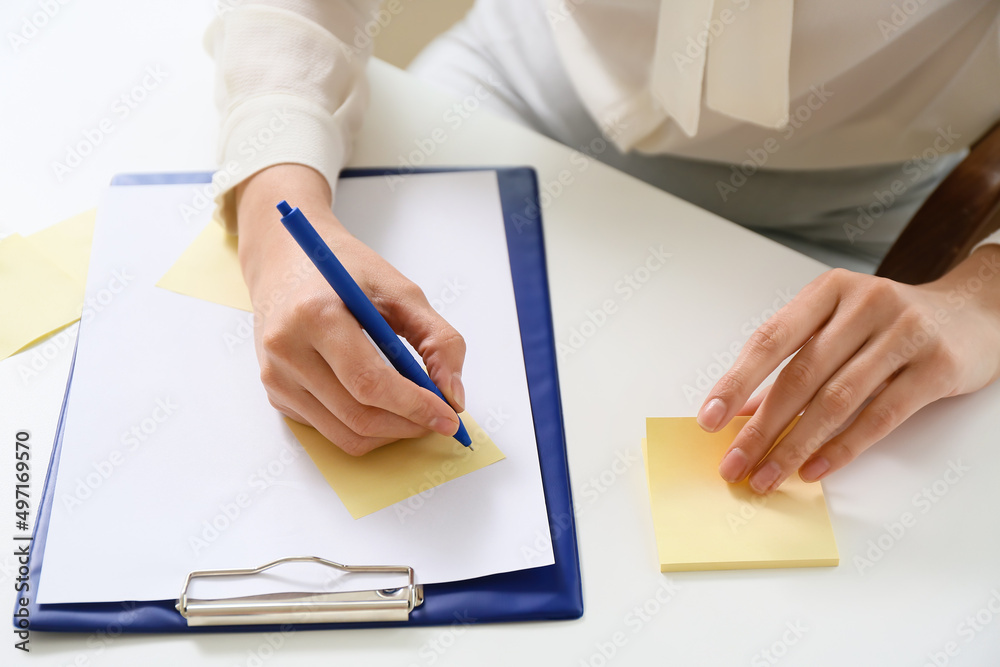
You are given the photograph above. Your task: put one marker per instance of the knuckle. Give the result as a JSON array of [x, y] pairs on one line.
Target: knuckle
[[398, 295], [769, 338], [270, 376], [454, 340], [311, 308], [837, 398], [354, 444], [878, 294], [369, 385], [909, 321], [838, 453], [946, 364], [798, 454], [837, 277], [731, 384], [422, 409], [362, 421], [884, 418], [410, 292], [276, 343], [799, 378], [754, 437]]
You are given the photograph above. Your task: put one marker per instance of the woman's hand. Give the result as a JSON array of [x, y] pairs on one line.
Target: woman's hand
[[855, 337], [316, 363]]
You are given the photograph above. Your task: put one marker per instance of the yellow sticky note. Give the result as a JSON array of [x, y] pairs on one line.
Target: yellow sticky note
[[704, 523], [210, 269], [36, 296], [397, 471], [67, 244]]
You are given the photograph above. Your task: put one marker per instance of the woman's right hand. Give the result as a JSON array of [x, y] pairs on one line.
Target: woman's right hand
[[316, 363]]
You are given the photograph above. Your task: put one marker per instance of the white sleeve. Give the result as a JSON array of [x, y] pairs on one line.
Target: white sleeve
[[290, 87], [992, 238]]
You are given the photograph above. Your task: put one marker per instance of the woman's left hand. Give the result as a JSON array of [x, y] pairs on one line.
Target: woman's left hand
[[855, 337]]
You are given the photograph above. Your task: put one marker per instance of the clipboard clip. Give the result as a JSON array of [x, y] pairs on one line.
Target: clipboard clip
[[388, 604]]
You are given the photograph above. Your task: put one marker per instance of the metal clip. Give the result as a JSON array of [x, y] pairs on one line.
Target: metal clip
[[394, 604]]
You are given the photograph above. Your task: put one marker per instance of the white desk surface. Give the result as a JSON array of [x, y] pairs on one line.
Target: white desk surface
[[931, 590]]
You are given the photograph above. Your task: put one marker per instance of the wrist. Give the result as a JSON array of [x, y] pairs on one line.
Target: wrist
[[263, 241], [976, 279]]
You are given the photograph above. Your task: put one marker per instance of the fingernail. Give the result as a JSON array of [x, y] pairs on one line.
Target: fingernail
[[814, 469], [710, 417], [458, 392], [765, 477], [734, 466], [444, 426]]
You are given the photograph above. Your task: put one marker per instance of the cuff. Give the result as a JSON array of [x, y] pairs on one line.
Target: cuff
[[274, 129]]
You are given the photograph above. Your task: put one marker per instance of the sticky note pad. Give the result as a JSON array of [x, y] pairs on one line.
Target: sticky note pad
[[399, 470], [36, 296], [209, 269], [704, 523]]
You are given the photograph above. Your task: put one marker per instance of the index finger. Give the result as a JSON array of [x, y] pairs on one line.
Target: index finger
[[370, 381], [773, 342]]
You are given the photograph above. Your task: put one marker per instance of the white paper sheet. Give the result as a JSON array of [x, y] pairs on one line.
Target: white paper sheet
[[173, 460]]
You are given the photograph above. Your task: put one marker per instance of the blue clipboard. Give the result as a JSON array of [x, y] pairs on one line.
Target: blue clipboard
[[552, 592]]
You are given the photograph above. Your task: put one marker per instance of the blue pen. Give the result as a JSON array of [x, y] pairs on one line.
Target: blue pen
[[359, 305]]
